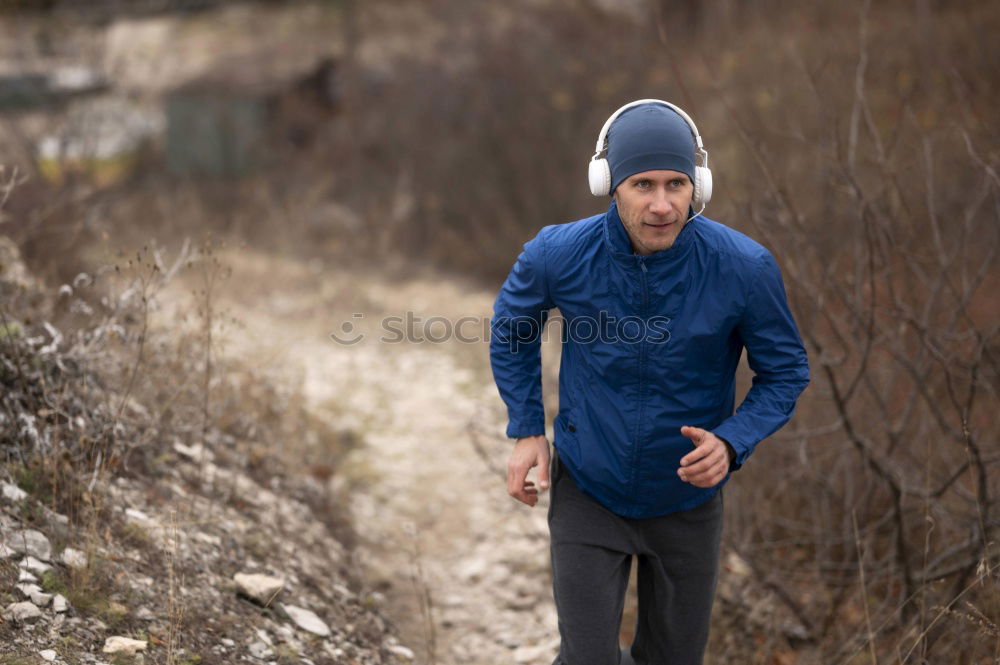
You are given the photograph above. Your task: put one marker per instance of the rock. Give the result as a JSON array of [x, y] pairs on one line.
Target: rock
[[57, 524], [260, 651], [35, 594], [196, 453], [306, 620], [472, 570], [226, 642], [261, 588], [25, 576], [23, 612], [31, 542], [136, 515], [142, 580], [6, 552], [401, 651], [452, 600], [144, 614], [208, 539], [12, 493], [34, 565], [59, 603], [344, 591], [57, 518], [40, 598], [27, 589], [48, 655], [264, 637], [286, 633], [73, 558], [119, 644], [737, 565]]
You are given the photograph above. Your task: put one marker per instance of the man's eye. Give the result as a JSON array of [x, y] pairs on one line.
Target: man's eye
[[642, 184], [676, 182]]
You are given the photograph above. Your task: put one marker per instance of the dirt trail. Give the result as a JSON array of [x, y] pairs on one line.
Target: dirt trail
[[464, 568]]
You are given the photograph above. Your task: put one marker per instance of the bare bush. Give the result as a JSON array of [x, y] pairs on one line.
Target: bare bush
[[876, 527], [867, 531]]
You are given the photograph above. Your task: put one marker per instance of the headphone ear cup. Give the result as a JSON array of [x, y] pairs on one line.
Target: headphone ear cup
[[599, 174], [702, 186]]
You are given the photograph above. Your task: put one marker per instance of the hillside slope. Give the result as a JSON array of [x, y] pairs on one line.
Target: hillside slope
[[123, 517]]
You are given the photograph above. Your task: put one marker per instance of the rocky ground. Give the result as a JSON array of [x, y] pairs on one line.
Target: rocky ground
[[172, 549], [245, 573]]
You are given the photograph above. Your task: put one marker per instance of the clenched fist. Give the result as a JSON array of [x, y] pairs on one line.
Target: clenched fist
[[708, 463]]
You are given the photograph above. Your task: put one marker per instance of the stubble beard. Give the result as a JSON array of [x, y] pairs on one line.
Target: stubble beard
[[656, 244]]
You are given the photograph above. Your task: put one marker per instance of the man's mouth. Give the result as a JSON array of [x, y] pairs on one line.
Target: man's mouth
[[658, 225]]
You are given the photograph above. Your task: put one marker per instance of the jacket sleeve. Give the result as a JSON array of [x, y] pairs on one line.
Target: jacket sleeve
[[777, 357], [519, 314]]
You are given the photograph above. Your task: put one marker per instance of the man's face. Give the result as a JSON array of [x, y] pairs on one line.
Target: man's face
[[653, 206]]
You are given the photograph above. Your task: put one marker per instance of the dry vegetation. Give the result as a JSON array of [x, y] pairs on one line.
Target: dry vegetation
[[97, 402], [857, 140], [91, 386]]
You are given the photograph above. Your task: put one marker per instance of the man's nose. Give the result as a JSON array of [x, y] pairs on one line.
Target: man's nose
[[660, 204]]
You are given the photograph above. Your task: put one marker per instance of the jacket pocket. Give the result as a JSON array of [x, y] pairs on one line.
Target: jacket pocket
[[566, 431]]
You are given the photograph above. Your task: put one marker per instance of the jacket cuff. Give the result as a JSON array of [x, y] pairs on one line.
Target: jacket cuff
[[728, 436], [519, 430]]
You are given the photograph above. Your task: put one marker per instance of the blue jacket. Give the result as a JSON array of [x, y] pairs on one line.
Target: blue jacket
[[650, 343]]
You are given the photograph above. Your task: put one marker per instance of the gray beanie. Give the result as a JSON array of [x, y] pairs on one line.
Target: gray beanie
[[646, 138]]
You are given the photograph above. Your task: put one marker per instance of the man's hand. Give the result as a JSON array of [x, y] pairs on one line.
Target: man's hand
[[708, 463], [528, 452]]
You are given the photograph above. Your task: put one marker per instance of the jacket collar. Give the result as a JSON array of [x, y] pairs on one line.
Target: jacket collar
[[620, 245]]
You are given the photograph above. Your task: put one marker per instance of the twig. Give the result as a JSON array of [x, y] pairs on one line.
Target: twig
[[864, 589], [424, 597]]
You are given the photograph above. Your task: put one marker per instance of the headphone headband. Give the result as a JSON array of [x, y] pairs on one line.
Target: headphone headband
[[603, 136]]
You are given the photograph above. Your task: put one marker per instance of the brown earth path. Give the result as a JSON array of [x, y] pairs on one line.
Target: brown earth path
[[463, 567]]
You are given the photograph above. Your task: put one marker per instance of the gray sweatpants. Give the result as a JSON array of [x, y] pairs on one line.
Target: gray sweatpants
[[592, 550]]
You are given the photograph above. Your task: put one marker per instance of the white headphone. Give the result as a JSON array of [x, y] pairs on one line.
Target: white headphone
[[599, 171]]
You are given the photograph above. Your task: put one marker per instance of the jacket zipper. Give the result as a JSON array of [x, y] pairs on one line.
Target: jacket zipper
[[642, 379]]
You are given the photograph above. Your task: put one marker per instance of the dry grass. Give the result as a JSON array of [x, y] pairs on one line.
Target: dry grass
[[94, 392]]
